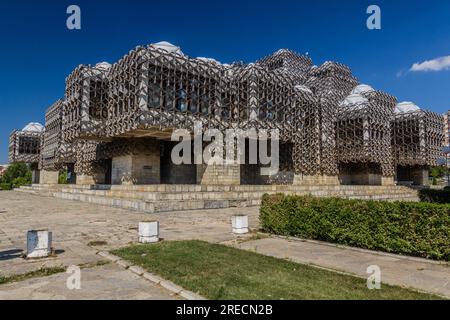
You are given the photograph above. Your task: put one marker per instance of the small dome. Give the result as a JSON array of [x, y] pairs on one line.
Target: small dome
[[210, 60], [362, 88], [303, 88], [168, 47], [281, 51], [103, 66], [405, 107], [354, 99], [34, 127]]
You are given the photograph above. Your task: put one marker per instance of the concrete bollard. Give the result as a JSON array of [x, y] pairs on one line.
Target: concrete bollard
[[148, 232], [39, 243], [239, 224]]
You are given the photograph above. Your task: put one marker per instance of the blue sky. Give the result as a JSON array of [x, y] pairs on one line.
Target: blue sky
[[37, 50]]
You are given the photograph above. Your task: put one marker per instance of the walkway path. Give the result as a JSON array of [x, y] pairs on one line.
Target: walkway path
[[109, 282], [77, 225]]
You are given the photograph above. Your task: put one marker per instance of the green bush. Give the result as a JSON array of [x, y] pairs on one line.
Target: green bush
[[435, 196], [16, 175], [417, 229], [21, 181], [5, 186], [62, 178], [16, 170]]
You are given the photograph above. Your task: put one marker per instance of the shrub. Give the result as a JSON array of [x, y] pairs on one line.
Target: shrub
[[62, 177], [16, 175], [16, 170], [5, 186], [418, 229], [21, 181], [435, 196]]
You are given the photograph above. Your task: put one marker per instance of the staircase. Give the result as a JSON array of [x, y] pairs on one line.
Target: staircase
[[165, 198]]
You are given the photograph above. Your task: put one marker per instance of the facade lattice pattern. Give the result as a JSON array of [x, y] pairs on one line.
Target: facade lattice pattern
[[25, 146], [417, 138], [324, 117]]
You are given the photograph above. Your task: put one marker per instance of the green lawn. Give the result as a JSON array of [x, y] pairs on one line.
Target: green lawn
[[43, 272], [220, 272]]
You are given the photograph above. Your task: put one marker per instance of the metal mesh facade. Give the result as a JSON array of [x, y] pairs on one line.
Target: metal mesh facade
[[154, 90], [417, 138], [52, 150], [363, 130], [331, 83], [25, 146]]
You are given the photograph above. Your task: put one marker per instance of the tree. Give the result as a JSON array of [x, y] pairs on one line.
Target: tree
[[16, 175]]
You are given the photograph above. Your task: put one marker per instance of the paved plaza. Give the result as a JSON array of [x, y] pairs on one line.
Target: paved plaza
[[77, 228]]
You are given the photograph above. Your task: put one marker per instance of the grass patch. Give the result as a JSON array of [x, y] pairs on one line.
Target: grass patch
[[97, 243], [43, 272], [219, 272], [99, 263]]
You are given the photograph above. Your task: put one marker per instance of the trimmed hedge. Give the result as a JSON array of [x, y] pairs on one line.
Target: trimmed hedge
[[416, 229], [435, 196]]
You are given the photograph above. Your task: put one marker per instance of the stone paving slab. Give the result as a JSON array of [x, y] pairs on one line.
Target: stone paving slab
[[109, 282], [416, 273], [75, 225]]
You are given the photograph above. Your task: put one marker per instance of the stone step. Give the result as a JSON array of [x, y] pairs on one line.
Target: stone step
[[224, 195], [206, 198], [204, 195], [171, 201], [237, 188]]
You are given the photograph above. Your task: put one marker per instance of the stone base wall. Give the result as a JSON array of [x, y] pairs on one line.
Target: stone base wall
[[304, 180], [361, 178], [387, 181], [48, 177], [227, 174], [142, 168], [251, 175], [84, 179]]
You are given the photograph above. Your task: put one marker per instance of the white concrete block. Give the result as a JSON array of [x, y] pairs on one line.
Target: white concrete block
[[239, 224], [39, 243], [148, 232]]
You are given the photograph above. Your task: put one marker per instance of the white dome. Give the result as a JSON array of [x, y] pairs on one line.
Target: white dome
[[303, 88], [281, 51], [103, 66], [211, 60], [405, 107], [362, 88], [353, 99], [168, 47], [34, 127]]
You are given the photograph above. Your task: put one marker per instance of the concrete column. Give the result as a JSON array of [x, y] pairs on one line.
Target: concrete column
[[420, 176], [35, 175], [214, 174], [48, 177]]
